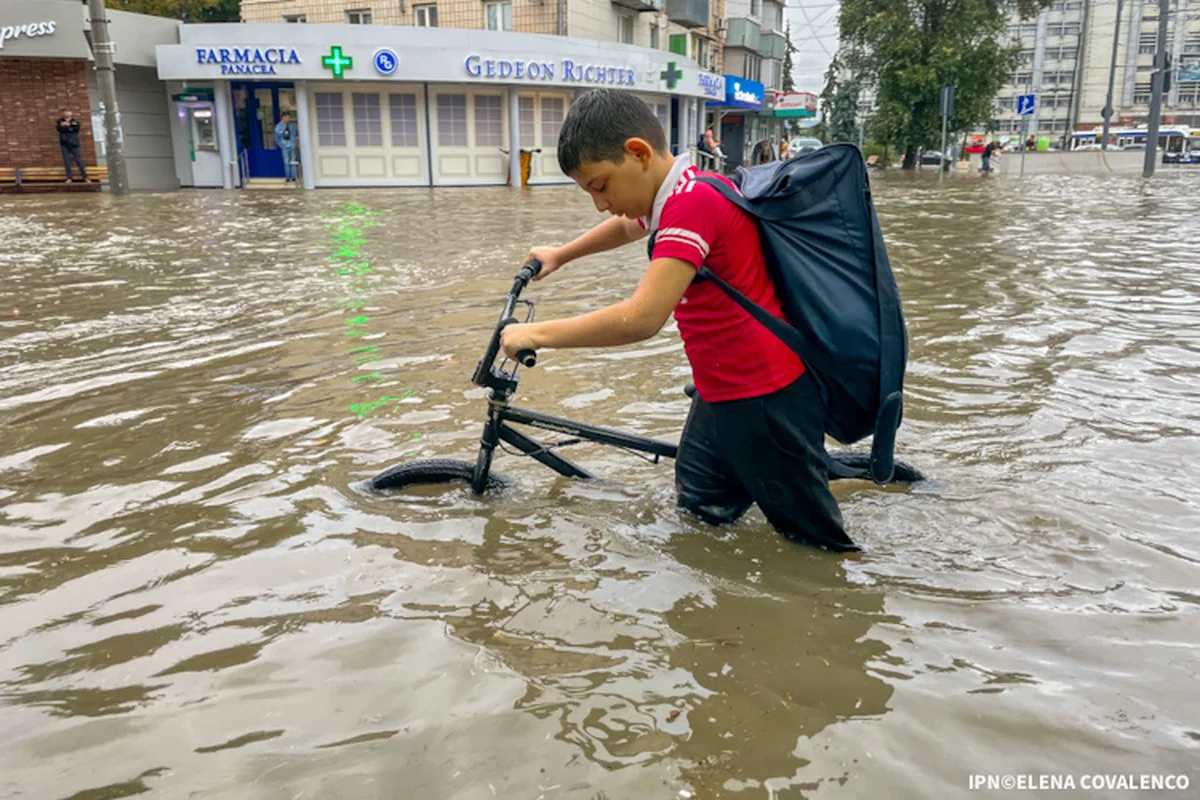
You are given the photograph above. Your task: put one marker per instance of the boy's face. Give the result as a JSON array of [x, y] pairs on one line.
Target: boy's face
[[622, 189]]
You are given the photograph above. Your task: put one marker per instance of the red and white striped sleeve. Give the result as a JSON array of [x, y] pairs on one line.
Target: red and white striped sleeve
[[690, 224]]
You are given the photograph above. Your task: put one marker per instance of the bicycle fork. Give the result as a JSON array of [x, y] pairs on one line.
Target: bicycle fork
[[487, 448]]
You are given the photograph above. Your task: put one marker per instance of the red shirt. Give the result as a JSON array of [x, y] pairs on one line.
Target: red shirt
[[733, 356]]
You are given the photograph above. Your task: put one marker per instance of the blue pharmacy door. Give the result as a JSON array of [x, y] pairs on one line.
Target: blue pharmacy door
[[257, 107]]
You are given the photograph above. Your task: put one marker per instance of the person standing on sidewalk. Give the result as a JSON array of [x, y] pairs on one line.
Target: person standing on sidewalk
[[68, 142], [286, 138]]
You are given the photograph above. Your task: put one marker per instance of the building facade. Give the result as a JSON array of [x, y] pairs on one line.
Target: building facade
[[754, 48], [1066, 56], [46, 65], [1136, 44], [379, 105], [690, 28]]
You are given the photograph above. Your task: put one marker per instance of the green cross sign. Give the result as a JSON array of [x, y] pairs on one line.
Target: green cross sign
[[336, 62], [671, 75]]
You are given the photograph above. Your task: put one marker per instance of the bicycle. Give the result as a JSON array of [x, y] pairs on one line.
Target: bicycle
[[501, 384]]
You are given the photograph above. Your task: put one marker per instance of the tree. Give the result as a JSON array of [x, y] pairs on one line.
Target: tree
[[839, 103], [789, 83], [910, 50], [186, 10]]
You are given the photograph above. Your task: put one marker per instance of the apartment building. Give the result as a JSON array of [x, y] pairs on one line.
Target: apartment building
[[1067, 54], [689, 28], [1052, 49], [755, 46], [1136, 44]]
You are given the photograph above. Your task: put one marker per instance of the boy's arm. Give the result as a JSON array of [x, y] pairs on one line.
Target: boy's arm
[[608, 235], [626, 322]]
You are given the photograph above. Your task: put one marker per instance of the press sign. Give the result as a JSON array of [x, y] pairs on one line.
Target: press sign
[[28, 30]]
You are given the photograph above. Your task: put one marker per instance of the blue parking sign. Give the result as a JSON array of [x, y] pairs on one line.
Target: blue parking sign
[[1025, 104]]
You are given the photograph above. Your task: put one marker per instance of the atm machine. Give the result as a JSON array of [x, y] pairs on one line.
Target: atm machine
[[197, 116]]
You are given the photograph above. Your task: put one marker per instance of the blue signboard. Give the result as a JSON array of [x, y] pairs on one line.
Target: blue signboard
[[386, 61], [1025, 105], [742, 93]]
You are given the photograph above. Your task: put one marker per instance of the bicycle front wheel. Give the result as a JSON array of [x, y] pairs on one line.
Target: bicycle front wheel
[[432, 471]]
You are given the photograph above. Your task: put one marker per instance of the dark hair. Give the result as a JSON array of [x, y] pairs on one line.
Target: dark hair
[[598, 125]]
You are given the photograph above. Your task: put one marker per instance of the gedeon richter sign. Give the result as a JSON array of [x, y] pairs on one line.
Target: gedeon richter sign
[[571, 71], [28, 30]]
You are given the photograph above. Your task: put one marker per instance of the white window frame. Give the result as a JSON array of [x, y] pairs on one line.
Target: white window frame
[[358, 16], [296, 19], [425, 15], [655, 37], [503, 11], [625, 28]]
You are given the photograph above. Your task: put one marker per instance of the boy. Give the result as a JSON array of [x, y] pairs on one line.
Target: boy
[[754, 432]]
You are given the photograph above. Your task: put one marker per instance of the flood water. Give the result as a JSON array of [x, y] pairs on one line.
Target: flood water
[[197, 600]]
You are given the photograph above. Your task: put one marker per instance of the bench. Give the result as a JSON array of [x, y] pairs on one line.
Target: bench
[[873, 161], [35, 178]]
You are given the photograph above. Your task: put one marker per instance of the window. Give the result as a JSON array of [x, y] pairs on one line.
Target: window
[[625, 29], [756, 9], [653, 36], [552, 120], [497, 16], [489, 120], [425, 15], [368, 125], [678, 44], [700, 50], [1023, 78], [525, 119], [1026, 56], [404, 120], [359, 16], [299, 18], [751, 66], [663, 115], [331, 120], [1141, 94], [1148, 43], [452, 120]]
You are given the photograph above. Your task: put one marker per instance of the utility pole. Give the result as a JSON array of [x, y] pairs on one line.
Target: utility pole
[[1156, 90], [1112, 74], [102, 49]]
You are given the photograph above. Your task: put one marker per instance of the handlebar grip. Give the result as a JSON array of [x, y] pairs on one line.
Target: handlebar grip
[[528, 358], [530, 270]]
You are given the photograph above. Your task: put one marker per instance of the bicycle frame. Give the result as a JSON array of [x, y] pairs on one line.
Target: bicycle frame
[[502, 385]]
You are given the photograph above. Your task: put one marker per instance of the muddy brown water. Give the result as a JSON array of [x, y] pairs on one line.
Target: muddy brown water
[[197, 601]]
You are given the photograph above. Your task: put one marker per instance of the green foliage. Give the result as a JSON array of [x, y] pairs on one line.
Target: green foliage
[[789, 83], [186, 10], [839, 104], [908, 50]]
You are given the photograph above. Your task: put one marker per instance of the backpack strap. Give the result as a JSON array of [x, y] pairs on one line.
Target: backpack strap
[[781, 329], [891, 373]]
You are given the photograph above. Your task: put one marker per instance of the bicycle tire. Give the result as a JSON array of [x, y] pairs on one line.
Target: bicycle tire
[[861, 459], [432, 471]]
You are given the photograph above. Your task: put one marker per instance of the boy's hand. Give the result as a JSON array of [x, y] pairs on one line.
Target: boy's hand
[[518, 336], [550, 258]]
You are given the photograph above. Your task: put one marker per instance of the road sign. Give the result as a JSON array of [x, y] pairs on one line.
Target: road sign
[[1026, 103], [947, 109]]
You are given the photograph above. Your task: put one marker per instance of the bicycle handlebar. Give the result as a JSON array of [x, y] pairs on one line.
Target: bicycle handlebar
[[483, 372]]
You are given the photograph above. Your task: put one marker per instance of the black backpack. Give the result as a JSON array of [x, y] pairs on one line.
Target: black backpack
[[825, 252]]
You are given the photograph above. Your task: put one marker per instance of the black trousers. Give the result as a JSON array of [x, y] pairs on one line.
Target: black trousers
[[70, 154], [767, 450]]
